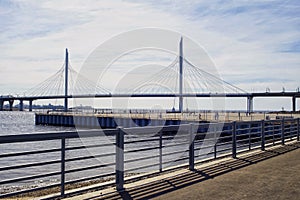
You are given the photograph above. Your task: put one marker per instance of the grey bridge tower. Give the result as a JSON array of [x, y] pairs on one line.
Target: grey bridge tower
[[180, 75], [66, 80]]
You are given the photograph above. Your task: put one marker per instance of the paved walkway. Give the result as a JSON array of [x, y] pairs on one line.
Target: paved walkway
[[273, 174]]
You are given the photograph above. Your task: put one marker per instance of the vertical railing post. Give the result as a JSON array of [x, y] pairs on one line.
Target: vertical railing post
[[263, 135], [215, 149], [249, 136], [191, 148], [298, 129], [282, 131], [62, 166], [160, 151], [215, 142], [120, 159], [234, 139], [273, 132]]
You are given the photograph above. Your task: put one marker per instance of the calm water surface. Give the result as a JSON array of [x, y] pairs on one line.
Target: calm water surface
[[14, 123]]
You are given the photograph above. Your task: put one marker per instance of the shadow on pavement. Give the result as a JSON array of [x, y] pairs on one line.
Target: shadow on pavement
[[157, 188]]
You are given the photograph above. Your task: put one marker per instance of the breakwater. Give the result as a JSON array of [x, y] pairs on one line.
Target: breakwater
[[141, 119]]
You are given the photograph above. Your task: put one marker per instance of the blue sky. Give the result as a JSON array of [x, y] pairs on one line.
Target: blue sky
[[254, 44]]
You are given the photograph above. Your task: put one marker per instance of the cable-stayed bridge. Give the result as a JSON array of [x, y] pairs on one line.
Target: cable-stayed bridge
[[180, 79]]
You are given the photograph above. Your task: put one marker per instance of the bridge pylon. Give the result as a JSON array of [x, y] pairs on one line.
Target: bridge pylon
[[180, 75], [66, 80]]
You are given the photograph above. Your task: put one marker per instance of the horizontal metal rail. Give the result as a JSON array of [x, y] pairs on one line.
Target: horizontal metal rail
[[28, 152]]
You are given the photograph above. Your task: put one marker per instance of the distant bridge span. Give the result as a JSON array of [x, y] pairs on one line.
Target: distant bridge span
[[249, 97], [192, 73]]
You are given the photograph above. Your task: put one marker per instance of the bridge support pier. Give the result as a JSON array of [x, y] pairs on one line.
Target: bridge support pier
[[30, 105], [249, 104], [11, 103], [1, 105], [294, 104], [21, 105]]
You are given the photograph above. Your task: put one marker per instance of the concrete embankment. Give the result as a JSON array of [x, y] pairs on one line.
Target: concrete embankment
[[93, 121], [112, 120]]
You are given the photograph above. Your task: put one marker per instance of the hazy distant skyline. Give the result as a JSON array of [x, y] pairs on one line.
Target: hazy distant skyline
[[255, 44]]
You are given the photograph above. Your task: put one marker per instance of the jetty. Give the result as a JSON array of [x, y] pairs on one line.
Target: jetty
[[141, 118]]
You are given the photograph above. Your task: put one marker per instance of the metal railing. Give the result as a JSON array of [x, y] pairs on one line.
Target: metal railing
[[29, 161]]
